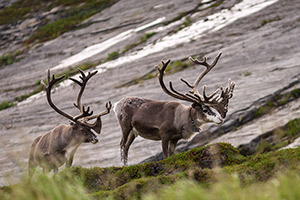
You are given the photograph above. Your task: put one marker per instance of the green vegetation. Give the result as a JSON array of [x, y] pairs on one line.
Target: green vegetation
[[172, 68], [6, 104], [187, 22], [146, 37], [267, 21], [216, 4], [216, 171], [46, 187], [229, 187], [70, 19], [113, 55], [247, 73], [68, 73], [10, 57], [276, 101], [38, 87], [279, 137], [142, 40]]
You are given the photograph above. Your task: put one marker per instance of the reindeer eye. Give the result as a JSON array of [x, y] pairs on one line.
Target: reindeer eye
[[205, 110]]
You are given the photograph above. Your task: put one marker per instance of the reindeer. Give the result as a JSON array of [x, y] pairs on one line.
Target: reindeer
[[50, 150], [170, 121]]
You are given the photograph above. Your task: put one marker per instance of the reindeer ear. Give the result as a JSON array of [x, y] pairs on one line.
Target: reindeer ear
[[97, 125], [196, 105]]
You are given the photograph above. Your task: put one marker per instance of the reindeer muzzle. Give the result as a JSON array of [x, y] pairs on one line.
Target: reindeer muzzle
[[94, 140]]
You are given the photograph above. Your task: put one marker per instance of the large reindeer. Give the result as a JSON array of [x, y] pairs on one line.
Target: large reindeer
[[59, 145], [171, 121]]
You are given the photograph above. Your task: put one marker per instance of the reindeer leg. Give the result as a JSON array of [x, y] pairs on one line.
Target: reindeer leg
[[70, 161], [125, 131], [128, 143], [165, 143], [55, 170], [31, 170], [172, 146]]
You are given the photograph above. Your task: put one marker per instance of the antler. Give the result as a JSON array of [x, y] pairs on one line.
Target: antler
[[97, 124], [221, 106], [194, 87], [219, 101], [48, 88], [82, 84], [108, 107], [172, 93]]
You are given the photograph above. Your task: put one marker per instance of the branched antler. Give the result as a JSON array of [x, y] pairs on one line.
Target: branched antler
[[215, 99], [82, 84], [48, 88]]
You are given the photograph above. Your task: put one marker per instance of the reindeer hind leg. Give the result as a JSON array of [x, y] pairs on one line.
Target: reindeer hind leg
[[128, 143], [126, 132]]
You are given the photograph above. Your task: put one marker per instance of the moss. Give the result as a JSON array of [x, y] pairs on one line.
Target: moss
[[187, 22], [267, 21], [162, 172], [174, 67], [6, 104], [10, 57], [216, 4], [69, 20], [68, 73], [136, 188], [276, 101], [279, 137], [247, 73], [113, 55], [142, 40], [133, 182], [264, 166], [146, 37]]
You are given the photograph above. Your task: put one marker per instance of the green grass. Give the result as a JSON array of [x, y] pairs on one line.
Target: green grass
[[279, 137], [10, 57], [216, 171], [216, 4], [45, 187], [113, 55], [38, 87], [247, 73], [69, 20], [146, 37], [267, 21], [285, 186], [142, 40], [276, 101], [172, 68], [6, 104]]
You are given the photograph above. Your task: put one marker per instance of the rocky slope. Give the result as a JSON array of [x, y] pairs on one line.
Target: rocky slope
[[260, 45]]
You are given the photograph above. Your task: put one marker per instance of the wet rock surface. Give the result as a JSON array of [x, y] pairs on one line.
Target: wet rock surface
[[269, 52]]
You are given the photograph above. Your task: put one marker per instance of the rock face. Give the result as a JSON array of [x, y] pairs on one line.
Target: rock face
[[260, 53]]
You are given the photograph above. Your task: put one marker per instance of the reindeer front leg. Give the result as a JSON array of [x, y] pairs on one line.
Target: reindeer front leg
[[165, 138], [172, 146], [70, 160]]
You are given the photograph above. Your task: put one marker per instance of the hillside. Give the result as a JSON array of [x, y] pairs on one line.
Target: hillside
[[124, 40], [216, 171]]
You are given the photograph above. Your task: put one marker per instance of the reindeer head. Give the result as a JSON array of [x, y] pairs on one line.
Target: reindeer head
[[82, 130], [212, 108], [83, 133]]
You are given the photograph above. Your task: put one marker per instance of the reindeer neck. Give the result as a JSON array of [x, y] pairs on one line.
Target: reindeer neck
[[193, 120], [66, 138]]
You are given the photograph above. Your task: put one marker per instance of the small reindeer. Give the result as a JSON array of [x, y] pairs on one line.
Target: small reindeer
[[171, 121], [50, 150]]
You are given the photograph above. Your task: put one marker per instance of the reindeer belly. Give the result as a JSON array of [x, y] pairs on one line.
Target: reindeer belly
[[146, 132]]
